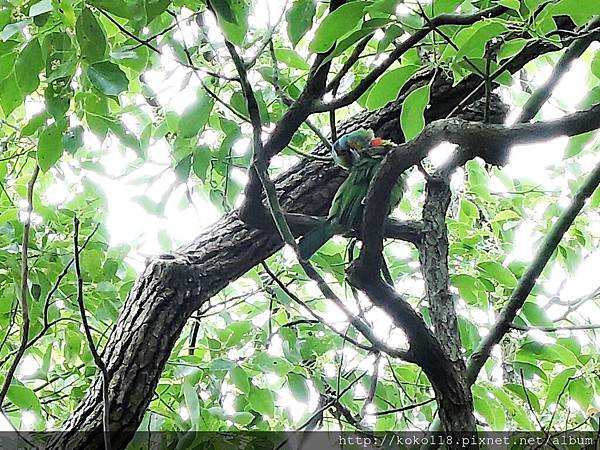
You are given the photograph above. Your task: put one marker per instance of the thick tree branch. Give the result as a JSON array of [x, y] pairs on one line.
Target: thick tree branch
[[425, 350], [468, 135], [297, 113]]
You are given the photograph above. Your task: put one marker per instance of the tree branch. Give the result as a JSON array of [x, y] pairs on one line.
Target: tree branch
[[90, 340], [468, 135], [552, 329], [24, 288], [415, 38], [574, 51], [529, 278]]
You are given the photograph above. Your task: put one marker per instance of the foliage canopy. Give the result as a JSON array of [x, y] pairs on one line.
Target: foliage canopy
[[146, 94]]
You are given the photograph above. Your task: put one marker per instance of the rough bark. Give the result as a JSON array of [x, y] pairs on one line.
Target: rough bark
[[170, 289], [433, 256]]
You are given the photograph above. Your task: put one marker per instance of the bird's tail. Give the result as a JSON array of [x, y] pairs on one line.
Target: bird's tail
[[316, 238]]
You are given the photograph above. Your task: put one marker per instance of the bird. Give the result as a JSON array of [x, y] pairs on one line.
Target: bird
[[360, 153]]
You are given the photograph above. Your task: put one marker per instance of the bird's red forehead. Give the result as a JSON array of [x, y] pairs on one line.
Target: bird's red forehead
[[376, 141]]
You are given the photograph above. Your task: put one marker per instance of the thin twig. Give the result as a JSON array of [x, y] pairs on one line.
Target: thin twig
[[551, 329], [404, 408], [88, 334], [24, 288]]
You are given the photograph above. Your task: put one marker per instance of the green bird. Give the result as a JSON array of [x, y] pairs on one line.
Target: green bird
[[360, 153]]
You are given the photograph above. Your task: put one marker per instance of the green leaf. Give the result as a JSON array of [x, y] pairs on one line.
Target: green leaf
[[10, 95], [91, 37], [57, 100], [595, 66], [518, 413], [108, 78], [39, 8], [577, 144], [505, 215], [595, 200], [28, 66], [201, 161], [262, 401], [73, 139], [489, 408], [412, 120], [233, 18], [498, 272], [574, 9], [34, 123], [50, 147], [511, 4], [194, 117], [558, 386], [468, 210], [240, 379], [469, 334], [291, 58], [23, 398], [298, 387], [192, 404], [525, 395], [582, 392], [387, 88], [269, 363], [336, 25], [299, 19], [13, 28], [243, 418], [511, 48], [535, 315], [469, 288], [474, 47]]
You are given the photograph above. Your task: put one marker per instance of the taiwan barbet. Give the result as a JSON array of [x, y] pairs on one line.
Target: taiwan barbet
[[360, 153]]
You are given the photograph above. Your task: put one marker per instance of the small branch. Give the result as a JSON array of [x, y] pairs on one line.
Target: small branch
[[24, 288], [331, 402], [529, 278], [147, 43], [415, 38], [63, 274], [448, 40], [289, 102], [404, 408], [376, 344], [372, 388], [593, 35], [88, 334], [552, 329], [334, 84], [574, 51], [267, 39], [529, 405]]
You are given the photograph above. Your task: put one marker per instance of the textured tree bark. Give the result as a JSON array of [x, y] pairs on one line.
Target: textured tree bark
[[171, 289], [433, 256]]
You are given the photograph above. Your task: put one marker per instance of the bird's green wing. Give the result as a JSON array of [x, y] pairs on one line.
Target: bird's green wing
[[347, 205]]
